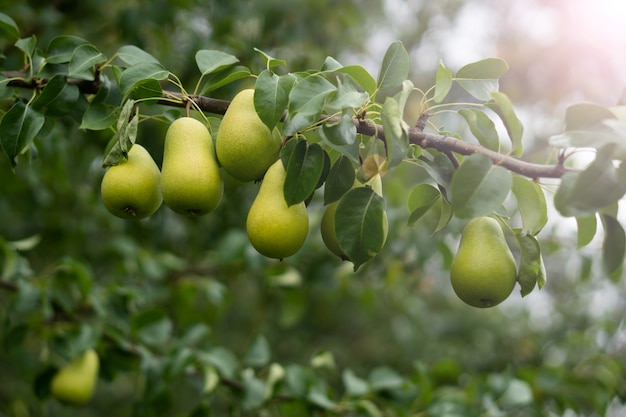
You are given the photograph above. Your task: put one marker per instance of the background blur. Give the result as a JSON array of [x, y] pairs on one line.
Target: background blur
[[567, 342]]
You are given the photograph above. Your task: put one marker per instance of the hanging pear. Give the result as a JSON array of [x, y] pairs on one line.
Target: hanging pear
[[76, 382], [275, 229], [131, 189], [484, 271], [190, 178], [245, 147]]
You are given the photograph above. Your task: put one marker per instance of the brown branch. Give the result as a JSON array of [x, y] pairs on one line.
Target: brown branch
[[417, 136]]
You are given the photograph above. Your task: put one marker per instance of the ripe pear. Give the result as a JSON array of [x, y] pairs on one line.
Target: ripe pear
[[275, 229], [76, 382], [190, 178], [131, 189], [484, 271], [245, 146]]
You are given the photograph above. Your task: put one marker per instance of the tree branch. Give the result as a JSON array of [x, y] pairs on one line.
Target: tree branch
[[416, 134]]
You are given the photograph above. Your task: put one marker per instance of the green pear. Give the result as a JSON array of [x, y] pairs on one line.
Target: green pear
[[131, 189], [75, 383], [275, 229], [327, 229], [245, 146], [484, 271], [190, 178]]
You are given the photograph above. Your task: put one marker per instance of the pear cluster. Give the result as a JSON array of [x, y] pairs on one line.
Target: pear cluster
[[191, 184]]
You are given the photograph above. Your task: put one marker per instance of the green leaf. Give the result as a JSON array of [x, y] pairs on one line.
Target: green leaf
[[532, 204], [360, 76], [501, 104], [58, 98], [307, 100], [331, 64], [133, 55], [271, 96], [348, 97], [217, 80], [482, 127], [269, 60], [318, 396], [126, 134], [9, 26], [443, 83], [340, 180], [355, 386], [18, 128], [396, 132], [384, 378], [258, 353], [99, 116], [480, 78], [421, 200], [613, 246], [304, 164], [83, 61], [223, 359], [152, 327], [587, 125], [253, 390], [138, 74], [210, 61], [360, 224], [27, 45], [531, 269], [395, 67], [478, 187], [599, 185], [341, 137], [587, 227], [61, 49]]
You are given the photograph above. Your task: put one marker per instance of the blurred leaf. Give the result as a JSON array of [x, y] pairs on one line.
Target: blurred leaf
[[258, 353], [480, 78], [443, 83], [479, 187], [587, 227], [482, 127], [360, 224], [324, 360], [83, 61], [9, 26], [395, 67], [517, 394], [613, 246], [19, 126], [61, 48], [440, 169], [152, 327], [223, 359], [586, 116], [531, 267], [271, 96], [99, 116], [340, 180], [253, 391], [531, 202], [396, 132], [133, 55], [501, 104], [58, 98], [421, 199], [318, 395], [275, 375], [384, 378], [361, 77], [355, 386], [341, 137], [210, 61], [304, 164]]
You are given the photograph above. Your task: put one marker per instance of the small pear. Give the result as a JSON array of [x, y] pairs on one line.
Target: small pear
[[131, 189], [245, 146], [75, 383], [327, 229], [275, 229], [484, 271], [190, 178]]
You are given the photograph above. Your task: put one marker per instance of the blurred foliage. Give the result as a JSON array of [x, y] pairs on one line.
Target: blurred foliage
[[172, 302]]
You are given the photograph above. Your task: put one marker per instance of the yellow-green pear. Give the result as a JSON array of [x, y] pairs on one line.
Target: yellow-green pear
[[484, 271], [245, 147], [131, 189], [75, 383], [327, 229], [190, 178], [275, 229]]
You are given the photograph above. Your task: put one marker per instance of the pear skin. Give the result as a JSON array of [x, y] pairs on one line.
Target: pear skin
[[190, 177], [245, 147], [327, 229], [131, 189], [484, 271], [275, 229], [75, 383]]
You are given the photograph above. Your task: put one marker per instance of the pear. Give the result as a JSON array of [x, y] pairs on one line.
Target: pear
[[190, 178], [131, 189], [275, 229], [75, 383], [245, 146], [484, 271], [327, 229]]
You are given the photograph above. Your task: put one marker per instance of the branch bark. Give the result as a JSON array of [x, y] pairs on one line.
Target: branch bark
[[425, 140]]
